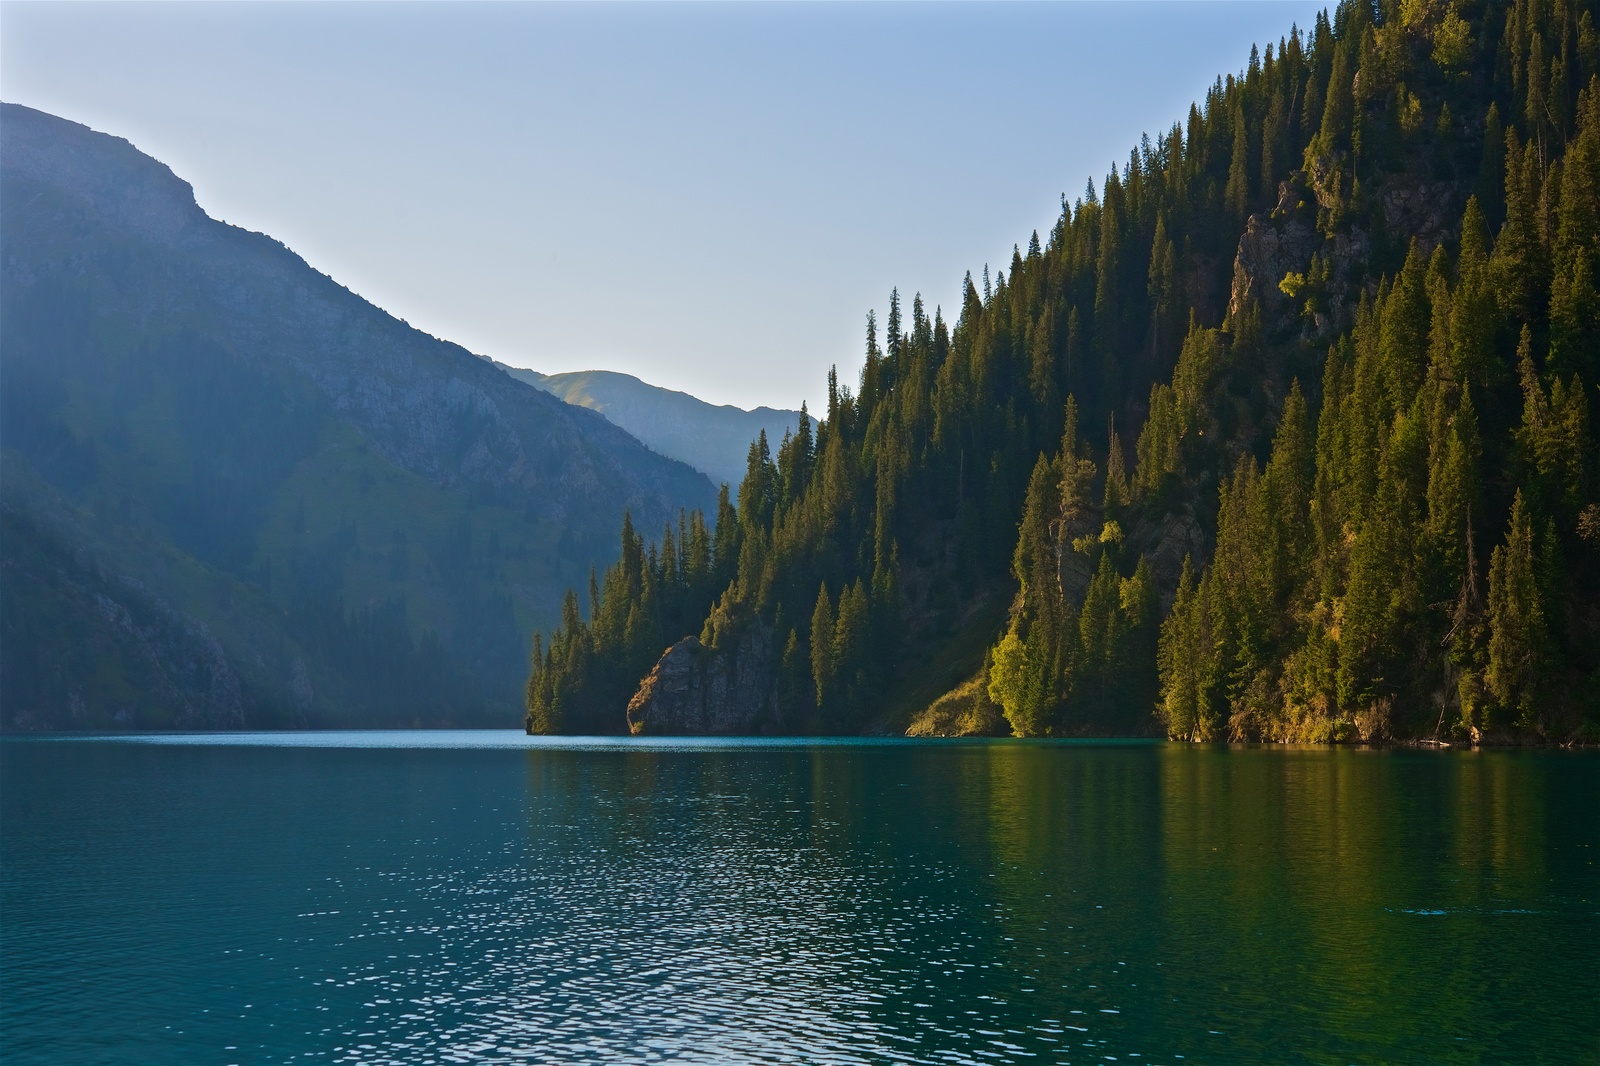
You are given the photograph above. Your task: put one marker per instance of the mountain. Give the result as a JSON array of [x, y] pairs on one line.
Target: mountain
[[713, 439], [1282, 434], [235, 494]]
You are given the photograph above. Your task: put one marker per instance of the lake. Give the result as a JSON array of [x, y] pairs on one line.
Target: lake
[[487, 897]]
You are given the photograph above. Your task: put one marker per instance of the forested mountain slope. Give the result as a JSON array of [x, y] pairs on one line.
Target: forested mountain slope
[[1282, 433], [236, 494], [711, 438]]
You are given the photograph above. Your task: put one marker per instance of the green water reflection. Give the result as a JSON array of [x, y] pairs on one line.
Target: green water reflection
[[873, 902]]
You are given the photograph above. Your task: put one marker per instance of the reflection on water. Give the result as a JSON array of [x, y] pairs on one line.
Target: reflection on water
[[373, 900]]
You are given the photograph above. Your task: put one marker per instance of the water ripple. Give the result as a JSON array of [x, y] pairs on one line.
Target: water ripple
[[300, 903]]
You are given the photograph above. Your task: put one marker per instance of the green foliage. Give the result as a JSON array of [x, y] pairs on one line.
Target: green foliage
[[1332, 589], [1346, 624], [822, 660], [1518, 640], [1073, 658], [1158, 463], [1452, 42], [647, 598]]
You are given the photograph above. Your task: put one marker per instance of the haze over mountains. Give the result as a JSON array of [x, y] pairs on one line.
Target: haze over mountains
[[712, 438], [235, 494]]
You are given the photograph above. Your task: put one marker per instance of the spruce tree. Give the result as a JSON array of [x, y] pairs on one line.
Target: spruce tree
[[822, 661], [1518, 640]]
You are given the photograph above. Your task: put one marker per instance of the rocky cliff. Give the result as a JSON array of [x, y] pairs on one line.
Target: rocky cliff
[[695, 690], [1302, 261]]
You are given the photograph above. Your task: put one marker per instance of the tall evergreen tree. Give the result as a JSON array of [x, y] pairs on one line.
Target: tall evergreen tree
[[1518, 640]]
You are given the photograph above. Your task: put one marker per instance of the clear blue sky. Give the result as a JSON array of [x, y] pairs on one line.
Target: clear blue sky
[[709, 196]]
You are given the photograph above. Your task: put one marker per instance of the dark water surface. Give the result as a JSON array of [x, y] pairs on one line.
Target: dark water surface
[[406, 898]]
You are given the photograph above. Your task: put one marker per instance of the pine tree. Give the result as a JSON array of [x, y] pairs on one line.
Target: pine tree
[[1021, 679], [852, 650], [1473, 312], [822, 660], [1518, 640], [1117, 493], [1237, 193], [1157, 463], [1334, 134], [1517, 264], [1179, 661], [1403, 333]]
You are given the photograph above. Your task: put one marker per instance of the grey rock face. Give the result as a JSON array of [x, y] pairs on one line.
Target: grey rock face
[[1426, 210], [141, 193], [1164, 544], [1267, 252], [1273, 246], [695, 690]]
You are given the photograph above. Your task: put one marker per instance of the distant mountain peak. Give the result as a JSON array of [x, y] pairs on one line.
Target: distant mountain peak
[[713, 438], [107, 172]]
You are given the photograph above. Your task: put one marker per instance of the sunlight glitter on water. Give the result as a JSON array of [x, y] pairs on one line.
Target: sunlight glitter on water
[[378, 898]]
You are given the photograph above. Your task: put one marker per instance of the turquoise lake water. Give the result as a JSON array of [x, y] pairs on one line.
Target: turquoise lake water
[[483, 897]]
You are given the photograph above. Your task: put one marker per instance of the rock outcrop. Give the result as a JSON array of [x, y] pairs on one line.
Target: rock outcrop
[[1283, 242], [695, 690], [1165, 544], [1271, 247], [1430, 212]]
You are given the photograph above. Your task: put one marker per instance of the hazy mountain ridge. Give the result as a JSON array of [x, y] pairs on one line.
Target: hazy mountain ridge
[[713, 438], [170, 380]]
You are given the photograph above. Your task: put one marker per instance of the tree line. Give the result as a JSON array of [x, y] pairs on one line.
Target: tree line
[[1380, 464]]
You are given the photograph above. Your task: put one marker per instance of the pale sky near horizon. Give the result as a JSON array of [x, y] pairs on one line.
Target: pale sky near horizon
[[708, 196]]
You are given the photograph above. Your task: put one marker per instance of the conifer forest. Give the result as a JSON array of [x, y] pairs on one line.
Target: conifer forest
[[1282, 433]]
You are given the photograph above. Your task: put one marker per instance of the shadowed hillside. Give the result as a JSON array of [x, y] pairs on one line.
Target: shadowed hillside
[[236, 494]]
